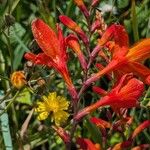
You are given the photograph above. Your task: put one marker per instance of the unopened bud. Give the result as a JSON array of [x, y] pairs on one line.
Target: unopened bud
[[18, 79]]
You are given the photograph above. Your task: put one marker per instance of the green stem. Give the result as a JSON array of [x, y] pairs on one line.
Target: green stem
[[69, 8], [4, 78], [134, 21], [9, 104], [9, 49]]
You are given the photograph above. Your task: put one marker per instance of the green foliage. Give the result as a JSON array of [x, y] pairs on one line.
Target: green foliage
[[24, 97]]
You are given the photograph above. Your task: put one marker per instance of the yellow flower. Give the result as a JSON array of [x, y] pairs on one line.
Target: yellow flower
[[18, 79], [55, 106]]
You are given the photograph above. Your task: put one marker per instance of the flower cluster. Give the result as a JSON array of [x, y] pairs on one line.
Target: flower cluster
[[126, 63]]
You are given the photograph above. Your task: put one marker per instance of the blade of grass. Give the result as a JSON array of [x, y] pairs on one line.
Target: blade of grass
[[134, 21], [5, 127]]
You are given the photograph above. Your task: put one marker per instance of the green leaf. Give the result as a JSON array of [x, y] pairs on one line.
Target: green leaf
[[17, 34], [122, 3], [24, 97], [115, 138], [93, 131]]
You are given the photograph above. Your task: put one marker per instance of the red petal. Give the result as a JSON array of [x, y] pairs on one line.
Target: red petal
[[73, 26], [82, 7], [72, 42], [62, 43], [30, 56], [140, 70], [99, 90], [118, 33], [86, 144], [39, 59], [142, 147], [140, 128], [46, 38], [100, 122], [140, 51]]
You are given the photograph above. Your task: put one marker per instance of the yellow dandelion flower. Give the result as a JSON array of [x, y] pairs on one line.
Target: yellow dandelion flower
[[55, 106]]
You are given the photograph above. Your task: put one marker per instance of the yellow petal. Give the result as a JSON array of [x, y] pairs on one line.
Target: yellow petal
[[60, 117], [41, 107], [42, 116], [63, 104]]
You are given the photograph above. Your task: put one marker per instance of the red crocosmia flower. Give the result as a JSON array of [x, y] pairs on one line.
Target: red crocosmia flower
[[54, 51], [129, 142], [124, 95], [82, 7], [74, 27], [142, 147], [140, 128], [124, 60], [122, 145], [63, 135], [72, 42], [100, 122], [39, 59], [86, 144], [99, 90], [101, 67]]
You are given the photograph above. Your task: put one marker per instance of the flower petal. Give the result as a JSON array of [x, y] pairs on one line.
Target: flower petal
[[73, 26], [86, 144], [140, 70], [140, 128], [63, 103], [100, 122], [43, 116], [73, 43], [82, 7], [46, 38], [140, 51], [60, 117], [118, 33], [40, 107]]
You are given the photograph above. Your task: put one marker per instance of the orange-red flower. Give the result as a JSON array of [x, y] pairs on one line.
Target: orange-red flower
[[86, 144], [54, 51], [124, 60], [82, 7], [129, 142], [72, 42], [140, 128], [74, 27], [100, 122], [124, 95]]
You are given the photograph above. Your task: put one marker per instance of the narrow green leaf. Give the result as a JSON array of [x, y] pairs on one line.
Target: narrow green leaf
[[94, 132], [134, 21], [5, 127]]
